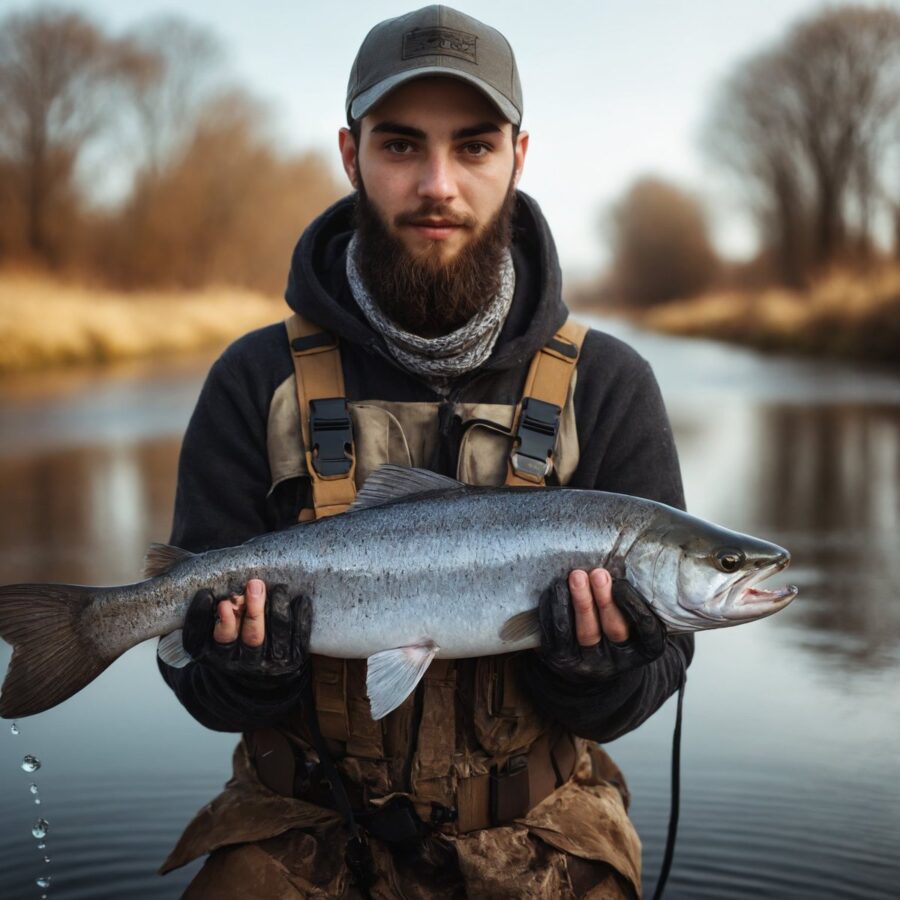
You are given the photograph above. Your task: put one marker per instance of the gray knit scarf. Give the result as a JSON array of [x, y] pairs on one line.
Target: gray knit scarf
[[441, 359]]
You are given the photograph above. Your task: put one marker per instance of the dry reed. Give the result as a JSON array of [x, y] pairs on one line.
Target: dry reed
[[45, 323], [844, 314]]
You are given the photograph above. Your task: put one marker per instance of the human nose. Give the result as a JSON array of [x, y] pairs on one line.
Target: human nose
[[437, 181]]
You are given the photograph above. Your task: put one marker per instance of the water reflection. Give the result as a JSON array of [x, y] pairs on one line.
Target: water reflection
[[86, 514], [833, 468], [830, 479], [824, 481]]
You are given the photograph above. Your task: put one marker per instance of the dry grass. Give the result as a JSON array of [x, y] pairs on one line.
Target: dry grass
[[45, 323], [844, 314]]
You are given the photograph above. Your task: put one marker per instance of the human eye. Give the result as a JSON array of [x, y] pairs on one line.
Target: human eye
[[477, 149], [399, 147]]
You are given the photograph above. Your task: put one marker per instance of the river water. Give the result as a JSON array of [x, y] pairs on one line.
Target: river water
[[791, 751]]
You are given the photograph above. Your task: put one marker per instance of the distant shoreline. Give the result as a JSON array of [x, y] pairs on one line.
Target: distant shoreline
[[52, 325], [844, 316], [46, 324]]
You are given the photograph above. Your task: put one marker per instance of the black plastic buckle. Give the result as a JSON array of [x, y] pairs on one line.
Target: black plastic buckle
[[397, 822], [441, 815], [331, 436], [535, 438], [509, 794], [358, 857]]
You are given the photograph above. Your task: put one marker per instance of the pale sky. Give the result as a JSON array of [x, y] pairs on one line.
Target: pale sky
[[613, 89]]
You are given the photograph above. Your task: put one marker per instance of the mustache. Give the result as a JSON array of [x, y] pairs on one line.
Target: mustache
[[428, 212], [420, 293]]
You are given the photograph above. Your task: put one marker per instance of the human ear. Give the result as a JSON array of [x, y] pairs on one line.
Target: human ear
[[347, 145], [519, 152]]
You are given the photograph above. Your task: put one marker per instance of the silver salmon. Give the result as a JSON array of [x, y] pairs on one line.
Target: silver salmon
[[420, 567]]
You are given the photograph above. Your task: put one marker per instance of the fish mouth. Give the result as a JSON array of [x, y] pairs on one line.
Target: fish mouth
[[745, 600]]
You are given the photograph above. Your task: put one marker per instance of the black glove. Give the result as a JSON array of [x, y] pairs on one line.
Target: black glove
[[562, 653], [283, 651]]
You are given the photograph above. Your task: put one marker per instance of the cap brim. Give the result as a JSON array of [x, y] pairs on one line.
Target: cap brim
[[364, 103]]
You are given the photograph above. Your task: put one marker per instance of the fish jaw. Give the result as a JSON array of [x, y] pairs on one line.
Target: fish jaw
[[743, 601]]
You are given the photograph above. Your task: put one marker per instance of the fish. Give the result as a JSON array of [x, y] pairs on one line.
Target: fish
[[420, 567]]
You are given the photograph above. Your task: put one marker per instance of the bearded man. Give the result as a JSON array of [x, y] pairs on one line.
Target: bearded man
[[427, 316]]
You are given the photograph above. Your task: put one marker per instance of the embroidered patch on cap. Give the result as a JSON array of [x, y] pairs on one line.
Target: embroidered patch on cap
[[444, 41]]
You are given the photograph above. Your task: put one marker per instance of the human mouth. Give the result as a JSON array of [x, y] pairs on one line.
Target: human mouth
[[435, 229]]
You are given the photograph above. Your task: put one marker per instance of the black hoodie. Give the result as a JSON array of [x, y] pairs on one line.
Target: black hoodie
[[223, 495]]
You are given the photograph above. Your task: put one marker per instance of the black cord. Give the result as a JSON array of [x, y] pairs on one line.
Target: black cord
[[357, 857], [676, 795]]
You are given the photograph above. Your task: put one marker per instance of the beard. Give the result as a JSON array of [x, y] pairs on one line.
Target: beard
[[421, 293]]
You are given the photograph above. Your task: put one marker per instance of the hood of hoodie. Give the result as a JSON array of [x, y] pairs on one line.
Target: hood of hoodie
[[317, 285]]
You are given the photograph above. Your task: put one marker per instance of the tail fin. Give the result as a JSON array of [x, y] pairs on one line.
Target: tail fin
[[51, 660]]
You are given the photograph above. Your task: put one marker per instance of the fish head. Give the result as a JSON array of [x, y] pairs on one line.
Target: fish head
[[697, 575]]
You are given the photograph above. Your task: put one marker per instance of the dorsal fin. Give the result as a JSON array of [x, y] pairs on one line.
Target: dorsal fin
[[161, 558], [389, 483]]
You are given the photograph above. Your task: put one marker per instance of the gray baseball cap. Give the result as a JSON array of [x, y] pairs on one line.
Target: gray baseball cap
[[434, 40]]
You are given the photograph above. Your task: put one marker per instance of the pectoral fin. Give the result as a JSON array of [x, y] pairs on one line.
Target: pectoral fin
[[521, 626], [171, 650], [392, 675]]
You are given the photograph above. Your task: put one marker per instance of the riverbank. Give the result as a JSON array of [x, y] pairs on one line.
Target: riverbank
[[845, 315], [46, 323]]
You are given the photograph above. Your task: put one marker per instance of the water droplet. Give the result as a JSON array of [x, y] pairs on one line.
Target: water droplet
[[30, 763], [39, 829], [41, 846], [33, 788], [42, 881], [14, 729]]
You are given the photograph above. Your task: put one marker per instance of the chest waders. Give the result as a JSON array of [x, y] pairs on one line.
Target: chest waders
[[513, 785]]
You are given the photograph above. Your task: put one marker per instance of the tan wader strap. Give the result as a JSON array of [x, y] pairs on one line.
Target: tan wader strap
[[318, 373], [543, 399], [273, 754], [329, 678], [436, 737], [319, 376]]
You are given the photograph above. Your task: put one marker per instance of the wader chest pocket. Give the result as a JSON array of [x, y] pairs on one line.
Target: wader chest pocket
[[505, 720], [484, 453]]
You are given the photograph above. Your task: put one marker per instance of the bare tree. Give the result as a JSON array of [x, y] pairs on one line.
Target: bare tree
[[751, 132], [57, 71], [804, 122], [661, 247], [211, 199], [225, 208], [168, 102], [844, 71]]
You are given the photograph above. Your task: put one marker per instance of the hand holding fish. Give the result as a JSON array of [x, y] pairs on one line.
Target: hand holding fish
[[231, 635], [245, 613], [606, 629], [595, 612]]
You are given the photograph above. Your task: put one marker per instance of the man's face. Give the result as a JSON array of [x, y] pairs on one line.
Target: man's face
[[437, 159]]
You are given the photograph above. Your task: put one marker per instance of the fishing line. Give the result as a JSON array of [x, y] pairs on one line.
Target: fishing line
[[676, 794]]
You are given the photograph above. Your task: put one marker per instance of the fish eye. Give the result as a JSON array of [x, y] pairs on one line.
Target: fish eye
[[729, 560]]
